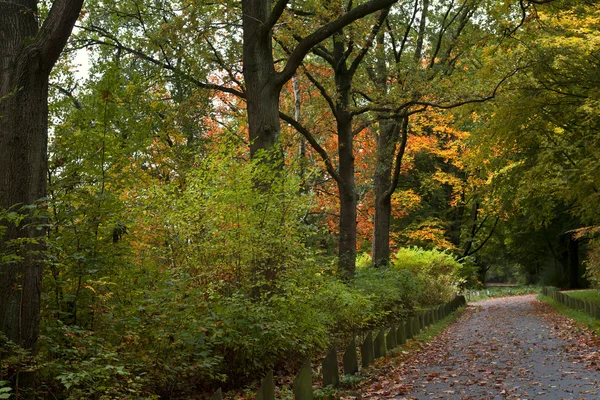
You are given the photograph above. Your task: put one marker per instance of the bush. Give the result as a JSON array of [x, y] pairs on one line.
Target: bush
[[393, 292], [215, 287], [439, 273]]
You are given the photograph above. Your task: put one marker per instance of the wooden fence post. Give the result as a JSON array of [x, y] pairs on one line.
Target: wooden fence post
[[303, 383], [350, 359], [331, 373], [366, 350], [218, 395], [267, 388], [379, 345]]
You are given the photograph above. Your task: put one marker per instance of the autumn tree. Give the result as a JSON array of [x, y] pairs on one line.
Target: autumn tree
[[425, 50], [343, 57], [539, 144]]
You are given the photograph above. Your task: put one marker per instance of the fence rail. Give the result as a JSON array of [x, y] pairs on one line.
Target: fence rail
[[386, 338], [590, 308]]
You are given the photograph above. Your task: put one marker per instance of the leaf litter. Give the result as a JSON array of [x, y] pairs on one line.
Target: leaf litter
[[503, 348]]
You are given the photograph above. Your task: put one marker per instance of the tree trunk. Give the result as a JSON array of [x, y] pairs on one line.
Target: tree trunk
[[347, 245], [23, 137], [27, 56], [346, 186], [262, 95], [386, 146]]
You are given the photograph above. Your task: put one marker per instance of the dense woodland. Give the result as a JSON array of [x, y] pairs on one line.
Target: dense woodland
[[195, 192]]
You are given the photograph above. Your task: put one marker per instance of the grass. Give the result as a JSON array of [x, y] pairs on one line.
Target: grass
[[579, 316], [591, 295], [501, 291]]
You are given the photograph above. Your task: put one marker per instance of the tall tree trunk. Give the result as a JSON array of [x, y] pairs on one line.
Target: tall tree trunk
[[348, 198], [422, 25], [262, 94], [27, 55], [23, 136], [346, 186], [386, 146], [384, 180], [386, 140]]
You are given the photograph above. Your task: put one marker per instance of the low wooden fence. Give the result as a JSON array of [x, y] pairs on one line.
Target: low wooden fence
[[371, 348], [590, 308]]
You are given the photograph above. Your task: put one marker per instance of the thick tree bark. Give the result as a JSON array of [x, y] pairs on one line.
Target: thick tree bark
[[386, 146], [343, 82], [346, 186], [23, 119], [27, 56], [262, 91]]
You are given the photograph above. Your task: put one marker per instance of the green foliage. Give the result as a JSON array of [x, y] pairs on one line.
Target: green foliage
[[538, 146], [439, 273], [239, 222], [393, 292]]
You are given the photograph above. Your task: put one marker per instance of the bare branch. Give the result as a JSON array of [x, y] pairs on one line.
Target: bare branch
[[307, 43], [399, 156], [314, 144]]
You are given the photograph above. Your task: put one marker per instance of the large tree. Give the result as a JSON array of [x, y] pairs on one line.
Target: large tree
[[28, 53], [344, 56]]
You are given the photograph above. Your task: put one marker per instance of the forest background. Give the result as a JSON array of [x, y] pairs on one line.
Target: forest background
[[234, 186]]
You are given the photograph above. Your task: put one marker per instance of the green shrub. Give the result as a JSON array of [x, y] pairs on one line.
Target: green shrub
[[439, 273], [392, 291]]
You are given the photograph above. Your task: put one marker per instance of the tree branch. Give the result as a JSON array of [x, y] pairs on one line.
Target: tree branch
[[69, 94], [323, 53], [314, 144], [398, 160], [307, 43], [398, 55], [369, 42], [484, 242], [323, 91], [470, 101], [56, 30], [275, 14], [165, 65]]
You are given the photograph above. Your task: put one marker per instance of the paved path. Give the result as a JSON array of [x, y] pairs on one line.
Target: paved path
[[514, 347]]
